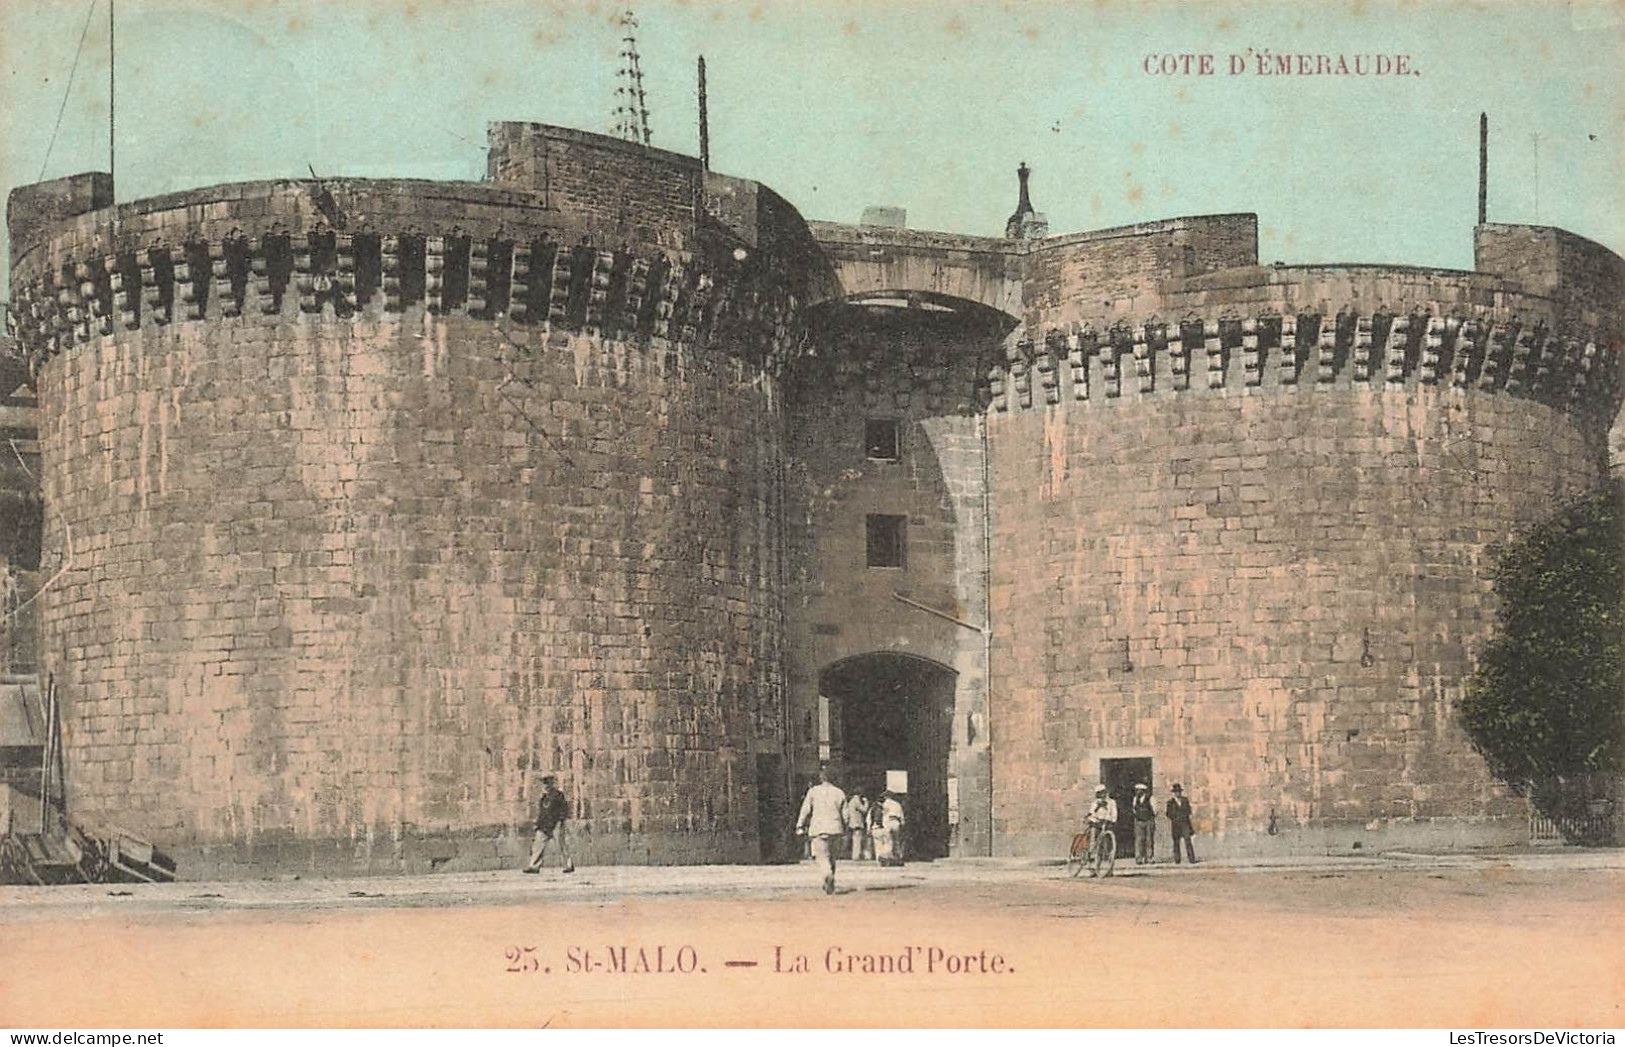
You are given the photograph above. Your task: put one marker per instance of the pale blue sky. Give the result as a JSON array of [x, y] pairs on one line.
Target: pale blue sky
[[925, 105]]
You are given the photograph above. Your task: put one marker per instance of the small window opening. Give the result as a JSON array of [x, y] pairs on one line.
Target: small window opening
[[882, 439], [886, 540]]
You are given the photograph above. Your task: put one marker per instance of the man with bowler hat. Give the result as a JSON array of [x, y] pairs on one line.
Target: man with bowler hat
[[1179, 821]]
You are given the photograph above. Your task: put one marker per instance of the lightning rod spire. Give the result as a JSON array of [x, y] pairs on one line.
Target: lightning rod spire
[[631, 110]]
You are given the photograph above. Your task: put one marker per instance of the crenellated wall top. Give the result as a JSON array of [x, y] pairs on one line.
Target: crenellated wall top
[[580, 232], [524, 275], [1230, 350], [290, 207], [1379, 288]]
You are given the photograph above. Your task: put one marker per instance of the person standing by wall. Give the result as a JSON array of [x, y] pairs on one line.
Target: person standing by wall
[[1145, 825], [892, 819], [1179, 823], [822, 821], [857, 825], [552, 812], [879, 842]]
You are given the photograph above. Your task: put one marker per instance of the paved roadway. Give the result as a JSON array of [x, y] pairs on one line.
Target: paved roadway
[[1398, 940]]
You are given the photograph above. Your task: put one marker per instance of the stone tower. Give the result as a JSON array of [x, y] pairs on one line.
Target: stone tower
[[385, 498]]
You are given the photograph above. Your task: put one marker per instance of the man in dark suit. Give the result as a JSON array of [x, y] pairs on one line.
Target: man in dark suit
[[552, 812], [1179, 822]]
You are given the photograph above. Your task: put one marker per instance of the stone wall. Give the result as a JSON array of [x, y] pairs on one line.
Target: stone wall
[[977, 269], [1586, 277], [21, 515], [388, 498], [343, 591], [32, 211], [1276, 597], [647, 194], [1072, 277], [919, 368], [1249, 536]]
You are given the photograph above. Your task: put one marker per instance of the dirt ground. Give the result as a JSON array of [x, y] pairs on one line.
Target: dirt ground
[[1375, 944]]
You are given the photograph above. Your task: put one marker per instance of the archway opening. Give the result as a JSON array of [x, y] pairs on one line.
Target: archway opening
[[891, 718]]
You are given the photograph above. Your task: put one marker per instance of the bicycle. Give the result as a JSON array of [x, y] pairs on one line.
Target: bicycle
[[1096, 849]]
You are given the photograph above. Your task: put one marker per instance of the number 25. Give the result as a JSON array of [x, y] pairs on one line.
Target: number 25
[[521, 958]]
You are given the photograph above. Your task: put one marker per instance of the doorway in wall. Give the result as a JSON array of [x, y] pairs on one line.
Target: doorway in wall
[[894, 712], [1119, 776]]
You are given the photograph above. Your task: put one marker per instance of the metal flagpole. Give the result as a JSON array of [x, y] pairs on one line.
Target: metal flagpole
[[1483, 167], [705, 129], [112, 108]]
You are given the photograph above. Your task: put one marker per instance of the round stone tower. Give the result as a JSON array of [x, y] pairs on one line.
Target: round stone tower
[[376, 501], [1244, 522]]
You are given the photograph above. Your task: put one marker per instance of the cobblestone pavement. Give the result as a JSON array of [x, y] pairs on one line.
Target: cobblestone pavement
[[1528, 939]]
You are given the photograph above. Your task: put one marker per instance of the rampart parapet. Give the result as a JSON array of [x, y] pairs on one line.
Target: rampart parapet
[[1504, 351], [1182, 307], [724, 264]]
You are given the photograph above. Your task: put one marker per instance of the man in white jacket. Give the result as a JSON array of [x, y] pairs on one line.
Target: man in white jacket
[[857, 826], [892, 820], [822, 819]]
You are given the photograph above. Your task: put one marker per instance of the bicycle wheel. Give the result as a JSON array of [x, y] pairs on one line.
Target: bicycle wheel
[[1076, 857], [1106, 857]]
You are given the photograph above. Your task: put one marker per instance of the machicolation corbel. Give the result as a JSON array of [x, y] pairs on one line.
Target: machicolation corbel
[[1362, 348], [1252, 353], [1432, 350], [1182, 336], [125, 302], [1525, 350], [1496, 356], [1213, 343], [434, 275], [191, 280], [559, 283], [1141, 348], [1396, 341], [344, 273], [603, 266], [154, 306], [1021, 372], [1111, 365], [1463, 352], [1048, 364], [1291, 358], [1326, 348], [1586, 363]]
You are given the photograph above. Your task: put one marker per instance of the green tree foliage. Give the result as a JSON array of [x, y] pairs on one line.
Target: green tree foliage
[[1546, 705]]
